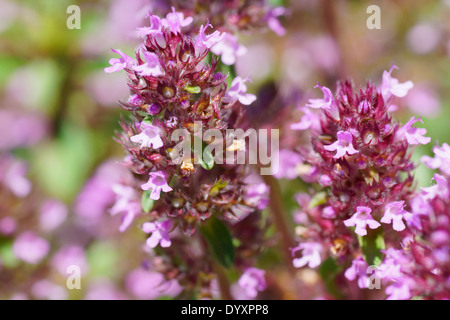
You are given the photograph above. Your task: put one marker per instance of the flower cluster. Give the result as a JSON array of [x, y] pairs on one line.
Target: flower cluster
[[176, 85], [361, 158]]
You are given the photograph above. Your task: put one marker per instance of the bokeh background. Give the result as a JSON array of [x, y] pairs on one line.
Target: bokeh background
[[59, 114]]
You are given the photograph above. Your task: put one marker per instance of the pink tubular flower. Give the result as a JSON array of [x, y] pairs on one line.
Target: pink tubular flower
[[30, 248], [253, 281], [272, 20], [160, 233], [157, 183], [126, 203], [343, 145], [229, 48], [119, 64], [439, 189], [324, 103], [441, 159], [358, 270], [361, 219], [238, 91], [175, 21], [207, 41], [394, 213], [310, 255], [154, 29], [309, 120], [413, 135], [391, 86], [151, 67], [150, 136]]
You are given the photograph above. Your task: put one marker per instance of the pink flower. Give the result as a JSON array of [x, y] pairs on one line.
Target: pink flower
[[395, 213], [154, 29], [151, 67], [272, 20], [238, 91], [400, 289], [157, 183], [229, 48], [126, 203], [441, 159], [257, 195], [149, 285], [53, 213], [391, 86], [289, 160], [207, 41], [175, 21], [343, 145], [358, 270], [119, 64], [309, 120], [70, 255], [160, 233], [30, 248], [253, 281], [12, 175], [150, 136], [361, 219], [440, 189], [324, 103], [413, 135], [310, 255]]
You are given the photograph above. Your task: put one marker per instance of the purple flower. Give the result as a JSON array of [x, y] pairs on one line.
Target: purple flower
[[309, 120], [160, 233], [273, 22], [119, 64], [151, 67], [12, 175], [175, 21], [400, 289], [154, 29], [150, 136], [343, 145], [289, 161], [30, 248], [253, 281], [394, 213], [149, 285], [361, 219], [310, 255], [46, 289], [257, 195], [157, 183], [391, 86], [207, 41], [358, 270], [238, 91], [7, 226], [441, 159], [440, 189], [53, 214], [324, 103], [70, 255], [229, 48], [126, 203], [413, 135]]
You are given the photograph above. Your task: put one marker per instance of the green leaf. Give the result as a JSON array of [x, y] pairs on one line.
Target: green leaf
[[206, 159], [328, 271], [371, 246], [192, 89], [146, 202], [317, 200], [219, 240]]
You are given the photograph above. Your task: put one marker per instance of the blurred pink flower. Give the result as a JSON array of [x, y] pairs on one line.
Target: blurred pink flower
[[149, 285], [52, 214], [70, 255], [30, 248]]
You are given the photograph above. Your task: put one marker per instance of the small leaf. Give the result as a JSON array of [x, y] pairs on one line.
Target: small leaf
[[146, 202], [206, 159], [317, 200], [219, 240], [371, 246], [328, 271], [192, 89]]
